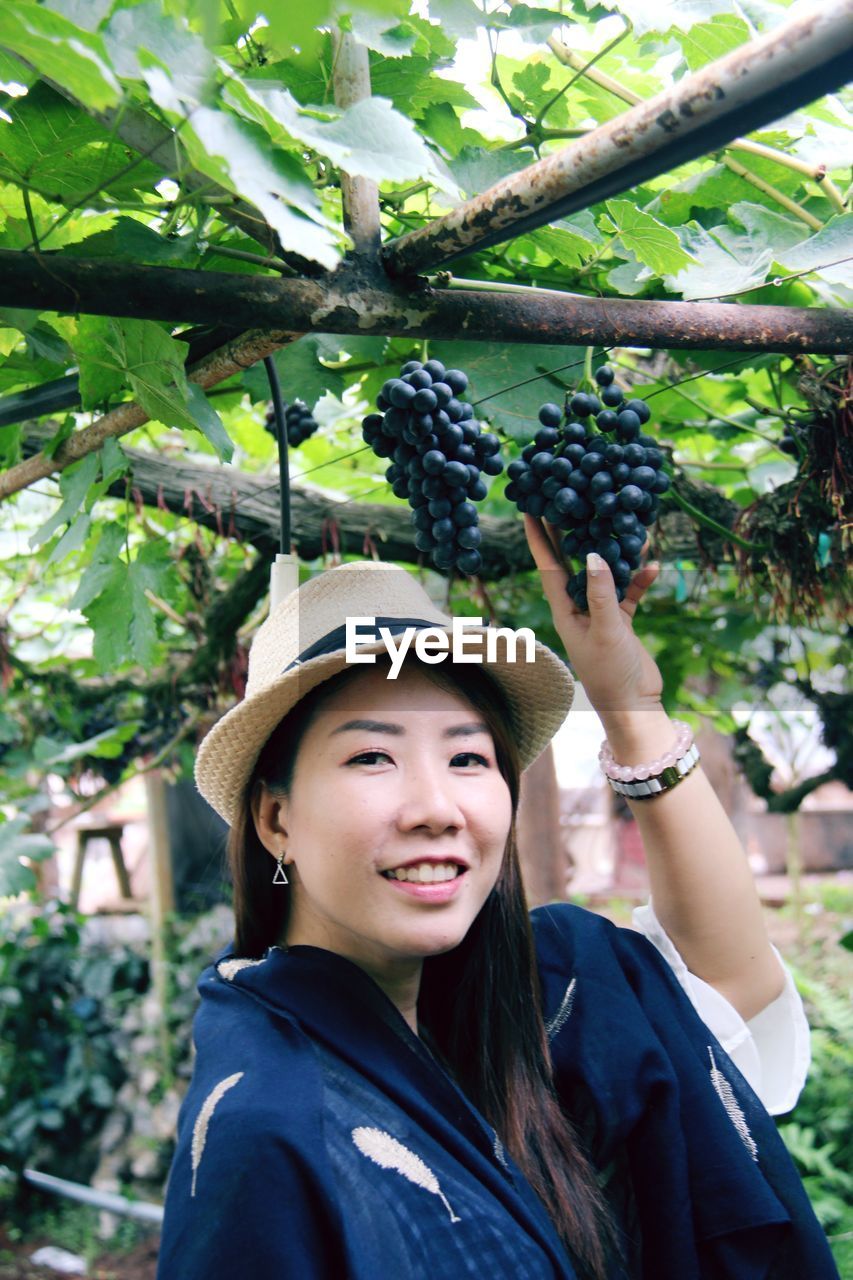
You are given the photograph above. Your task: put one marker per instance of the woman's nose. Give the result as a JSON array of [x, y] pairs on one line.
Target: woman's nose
[[428, 799]]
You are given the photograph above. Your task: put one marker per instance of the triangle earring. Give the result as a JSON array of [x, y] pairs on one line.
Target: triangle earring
[[280, 877]]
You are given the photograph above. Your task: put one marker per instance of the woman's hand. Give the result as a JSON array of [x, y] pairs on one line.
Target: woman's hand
[[616, 671]]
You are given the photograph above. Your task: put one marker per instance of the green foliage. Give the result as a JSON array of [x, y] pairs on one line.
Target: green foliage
[[99, 595], [75, 1227], [17, 843], [59, 1062], [819, 1131]]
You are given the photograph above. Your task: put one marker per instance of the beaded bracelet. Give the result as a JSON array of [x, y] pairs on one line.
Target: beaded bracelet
[[640, 781]]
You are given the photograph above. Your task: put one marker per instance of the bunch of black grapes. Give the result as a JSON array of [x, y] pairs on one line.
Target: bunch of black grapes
[[298, 419], [794, 439], [438, 453], [596, 477]]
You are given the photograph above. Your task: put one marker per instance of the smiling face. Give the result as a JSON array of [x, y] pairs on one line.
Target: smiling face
[[388, 771]]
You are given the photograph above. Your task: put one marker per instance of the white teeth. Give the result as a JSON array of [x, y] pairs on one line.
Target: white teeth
[[425, 873]]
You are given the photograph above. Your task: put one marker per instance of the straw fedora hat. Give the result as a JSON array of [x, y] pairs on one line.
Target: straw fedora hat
[[302, 643]]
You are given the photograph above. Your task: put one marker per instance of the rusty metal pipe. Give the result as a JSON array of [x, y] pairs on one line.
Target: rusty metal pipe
[[359, 303], [798, 61]]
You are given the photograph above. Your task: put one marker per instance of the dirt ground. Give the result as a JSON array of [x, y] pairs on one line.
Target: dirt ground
[[140, 1263]]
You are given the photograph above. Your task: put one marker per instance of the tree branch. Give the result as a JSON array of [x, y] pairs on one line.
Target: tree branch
[[351, 79], [352, 301]]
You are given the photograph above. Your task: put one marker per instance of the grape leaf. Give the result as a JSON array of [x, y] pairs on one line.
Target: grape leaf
[[100, 377], [300, 373], [87, 14], [724, 263], [718, 188], [151, 362], [768, 229], [629, 278], [665, 14], [61, 51], [106, 745], [74, 484], [706, 41], [209, 422], [146, 27], [476, 170], [565, 244], [239, 155], [120, 615], [441, 123], [16, 843], [131, 241], [58, 149], [654, 244], [373, 30], [114, 460], [370, 139], [100, 568], [461, 18], [494, 369], [72, 539], [823, 251]]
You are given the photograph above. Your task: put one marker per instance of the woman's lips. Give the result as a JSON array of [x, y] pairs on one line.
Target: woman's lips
[[438, 891]]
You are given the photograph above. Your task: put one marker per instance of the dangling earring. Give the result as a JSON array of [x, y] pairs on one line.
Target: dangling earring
[[280, 877]]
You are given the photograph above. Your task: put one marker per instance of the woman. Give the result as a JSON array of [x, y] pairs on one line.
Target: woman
[[404, 1079]]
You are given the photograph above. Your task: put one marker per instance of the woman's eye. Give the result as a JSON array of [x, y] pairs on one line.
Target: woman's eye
[[368, 757]]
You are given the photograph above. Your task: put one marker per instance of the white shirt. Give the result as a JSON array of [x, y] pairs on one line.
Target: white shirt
[[772, 1050]]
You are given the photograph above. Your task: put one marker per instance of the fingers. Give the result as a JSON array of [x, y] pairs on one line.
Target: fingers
[[541, 544], [638, 587], [601, 593], [544, 540], [555, 535], [545, 549]]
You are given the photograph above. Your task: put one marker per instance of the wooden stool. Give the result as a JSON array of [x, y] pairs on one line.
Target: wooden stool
[[112, 833]]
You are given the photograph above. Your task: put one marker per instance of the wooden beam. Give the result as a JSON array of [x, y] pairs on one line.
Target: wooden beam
[[795, 63], [352, 301]]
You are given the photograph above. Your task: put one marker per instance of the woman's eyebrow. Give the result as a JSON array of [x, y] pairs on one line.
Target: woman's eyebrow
[[380, 726]]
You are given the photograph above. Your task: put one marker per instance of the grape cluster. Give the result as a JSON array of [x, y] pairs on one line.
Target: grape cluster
[[794, 438], [298, 419], [438, 453], [599, 482]]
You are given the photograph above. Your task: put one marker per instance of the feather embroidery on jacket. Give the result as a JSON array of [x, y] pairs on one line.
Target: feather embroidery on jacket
[[203, 1120], [562, 1014], [228, 968], [499, 1150], [386, 1151], [732, 1106]]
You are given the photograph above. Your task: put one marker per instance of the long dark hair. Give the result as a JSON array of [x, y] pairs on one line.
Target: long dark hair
[[479, 1003]]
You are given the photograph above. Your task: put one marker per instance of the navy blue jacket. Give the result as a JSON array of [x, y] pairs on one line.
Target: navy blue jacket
[[320, 1140]]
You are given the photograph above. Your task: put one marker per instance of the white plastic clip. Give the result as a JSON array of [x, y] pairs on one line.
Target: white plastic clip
[[284, 578]]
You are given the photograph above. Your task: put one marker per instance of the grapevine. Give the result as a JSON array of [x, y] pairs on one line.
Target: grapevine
[[598, 483], [439, 456]]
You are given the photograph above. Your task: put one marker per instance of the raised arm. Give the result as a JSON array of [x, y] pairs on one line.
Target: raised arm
[[702, 888]]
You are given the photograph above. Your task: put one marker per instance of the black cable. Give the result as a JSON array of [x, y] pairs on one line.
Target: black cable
[[283, 472]]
